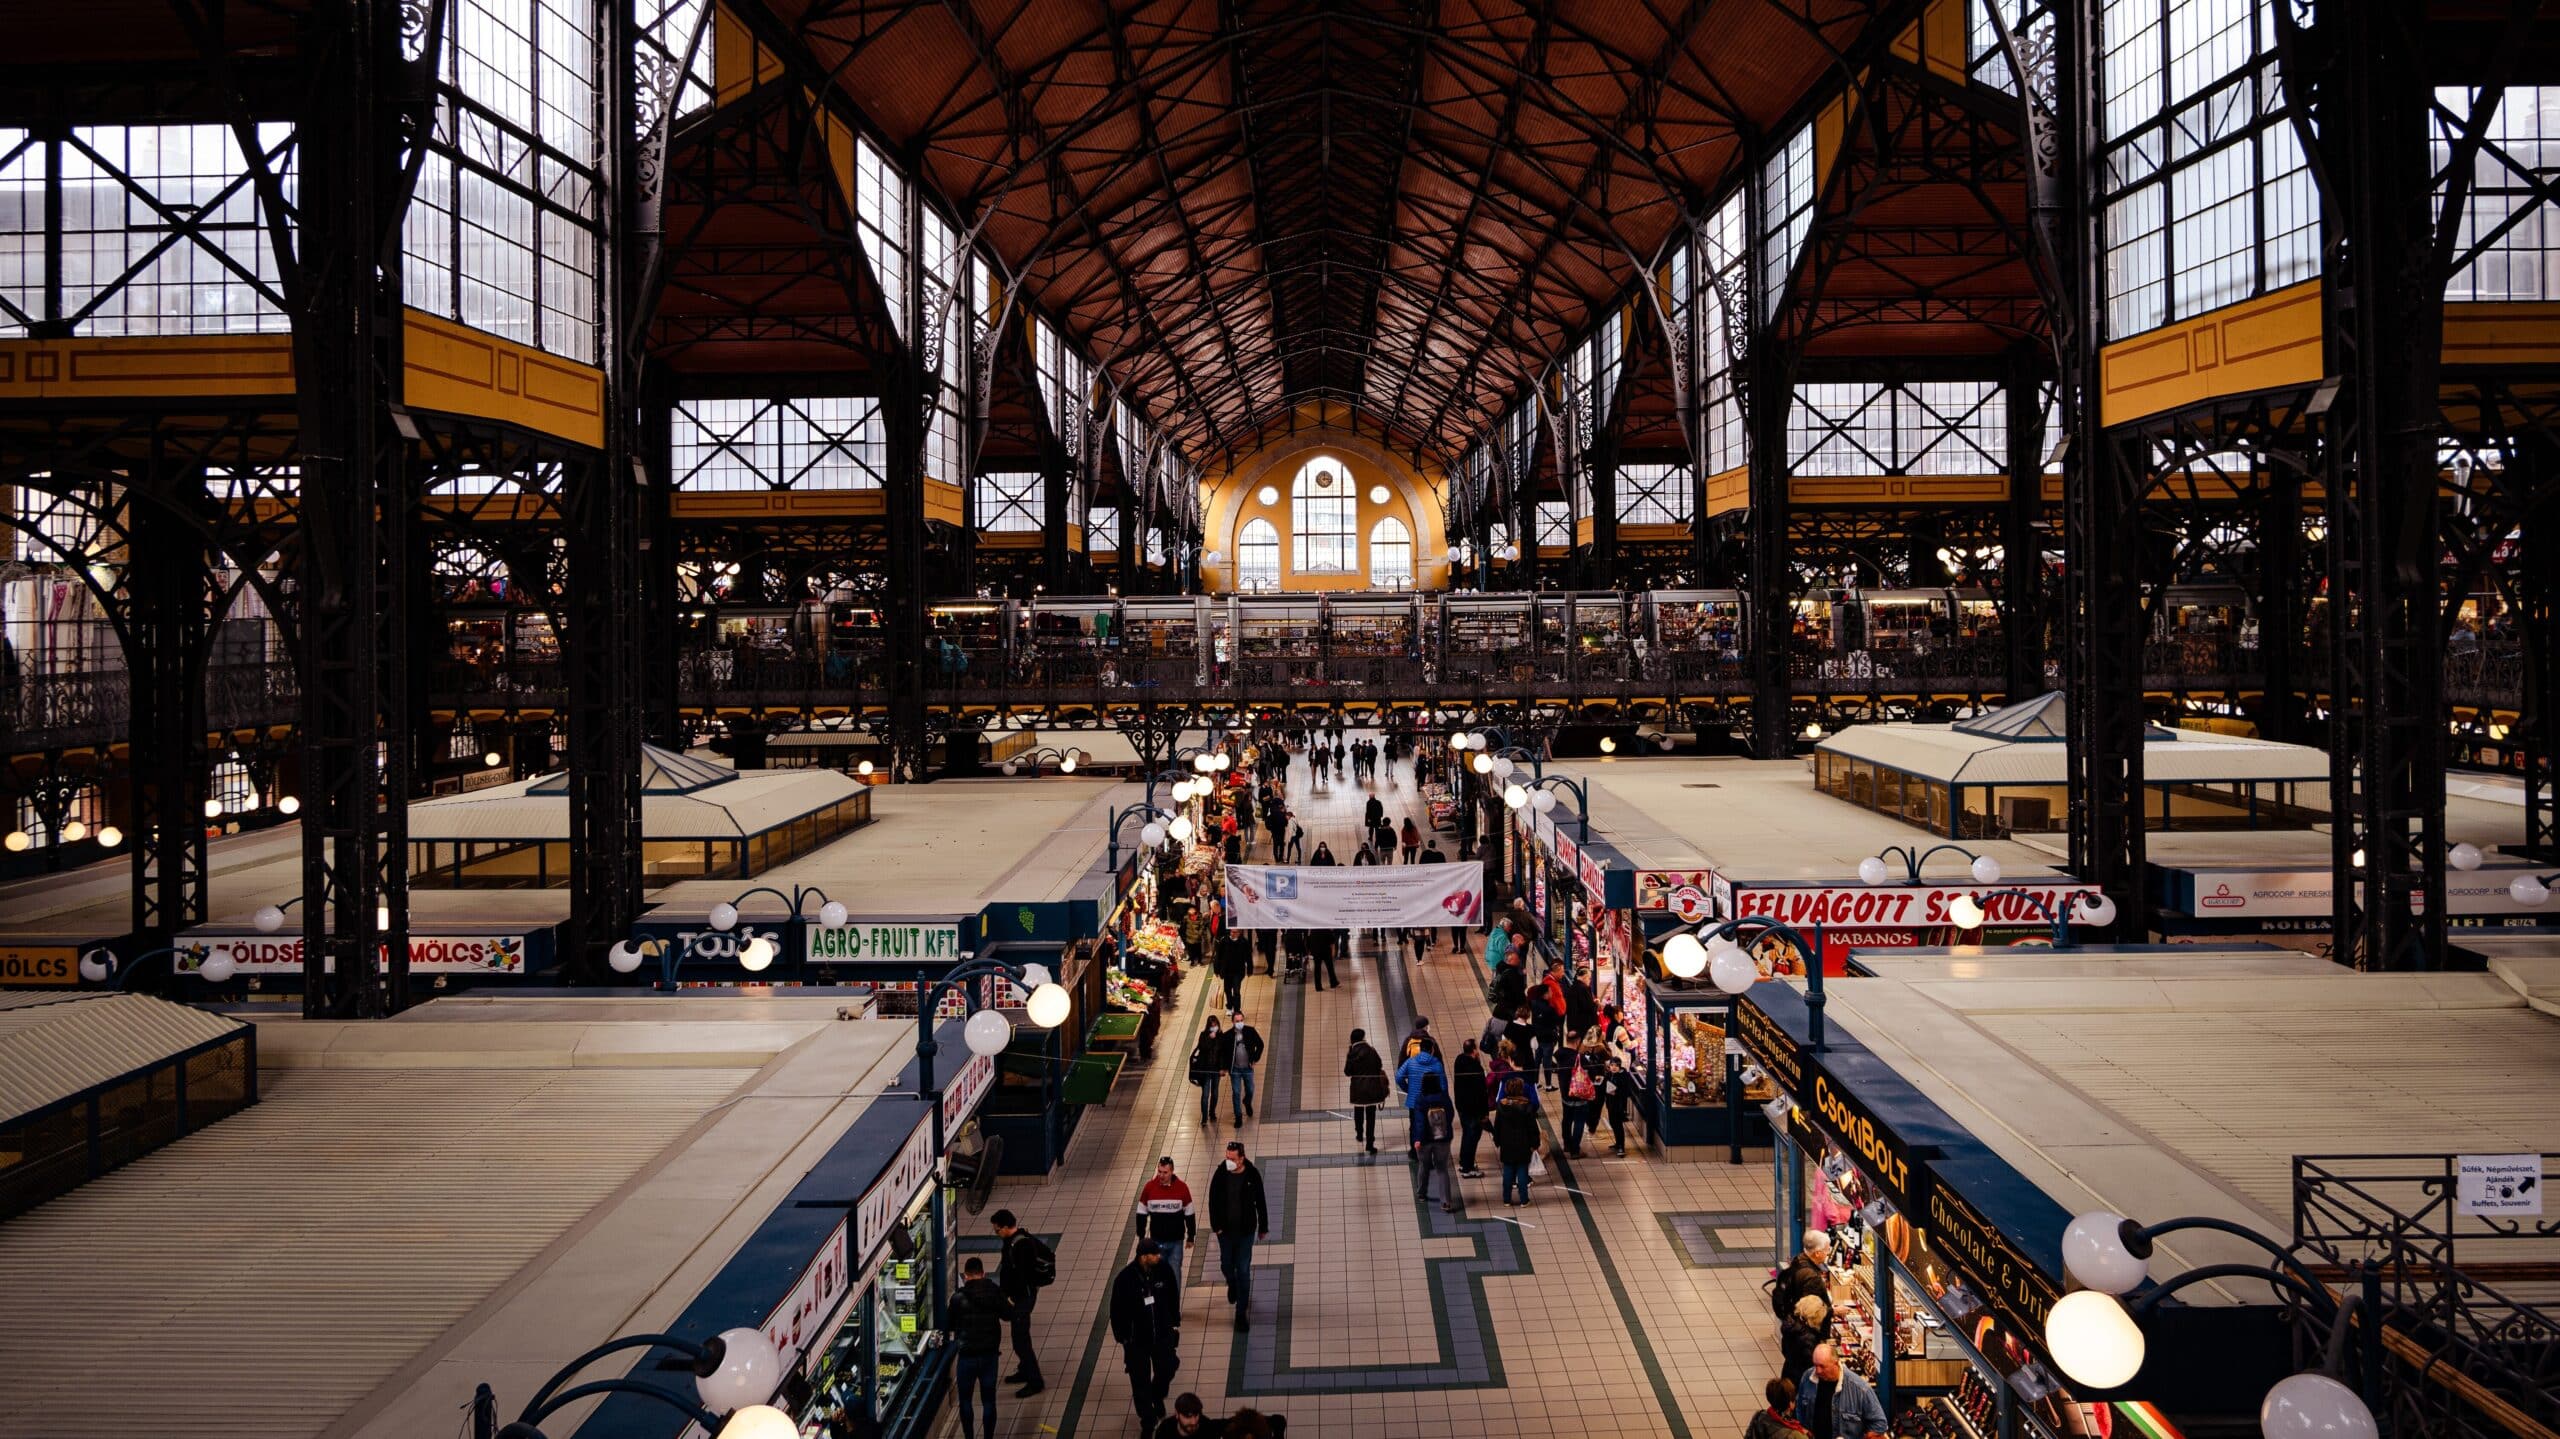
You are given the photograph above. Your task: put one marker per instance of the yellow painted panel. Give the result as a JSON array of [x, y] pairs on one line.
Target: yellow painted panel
[[1582, 530], [1897, 489], [463, 371], [1652, 534], [942, 502], [738, 63], [2259, 344], [1949, 38], [1729, 491], [1011, 540], [784, 504], [147, 367], [1830, 128], [2501, 334], [491, 509]]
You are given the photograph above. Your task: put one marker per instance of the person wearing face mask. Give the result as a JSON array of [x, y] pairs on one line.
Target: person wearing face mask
[[1238, 1214], [1210, 1055]]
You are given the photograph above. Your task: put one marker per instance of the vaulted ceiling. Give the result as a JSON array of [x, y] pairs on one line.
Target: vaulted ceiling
[[1403, 209]]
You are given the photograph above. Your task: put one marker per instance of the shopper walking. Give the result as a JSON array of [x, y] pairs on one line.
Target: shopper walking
[[1244, 1045], [1190, 1420], [1368, 1075], [1321, 946], [1468, 1093], [1412, 839], [1146, 1322], [1209, 1058], [1239, 1214], [1421, 1060], [1024, 1267], [976, 1317], [1165, 1216], [1235, 961], [1546, 1022], [1515, 1134], [1581, 1104], [1617, 1087], [1435, 1124]]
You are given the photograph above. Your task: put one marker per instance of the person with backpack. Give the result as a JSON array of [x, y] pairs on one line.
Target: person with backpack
[[1421, 1061], [1368, 1076], [977, 1316], [1244, 1043], [1515, 1134], [1467, 1091], [1239, 1214], [1024, 1267], [1435, 1123], [1210, 1055]]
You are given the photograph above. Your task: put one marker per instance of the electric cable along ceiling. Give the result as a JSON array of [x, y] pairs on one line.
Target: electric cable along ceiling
[[1400, 210]]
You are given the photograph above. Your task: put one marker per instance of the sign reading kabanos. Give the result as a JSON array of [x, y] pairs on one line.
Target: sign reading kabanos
[[1900, 906]]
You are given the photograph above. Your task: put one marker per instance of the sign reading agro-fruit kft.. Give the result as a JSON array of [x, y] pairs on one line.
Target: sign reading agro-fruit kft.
[[884, 942]]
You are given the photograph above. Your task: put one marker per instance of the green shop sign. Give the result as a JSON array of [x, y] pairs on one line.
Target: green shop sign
[[884, 943]]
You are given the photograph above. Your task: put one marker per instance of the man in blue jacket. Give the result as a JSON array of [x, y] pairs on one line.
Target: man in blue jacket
[[1832, 1403], [1418, 1062]]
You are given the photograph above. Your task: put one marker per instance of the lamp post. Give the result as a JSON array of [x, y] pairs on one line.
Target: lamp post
[[1967, 912], [1874, 869], [2097, 1339], [734, 1373], [1151, 832], [101, 965], [1539, 794], [1065, 759], [1713, 951]]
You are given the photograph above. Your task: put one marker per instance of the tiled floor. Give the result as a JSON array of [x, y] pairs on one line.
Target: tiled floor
[[1625, 1300]]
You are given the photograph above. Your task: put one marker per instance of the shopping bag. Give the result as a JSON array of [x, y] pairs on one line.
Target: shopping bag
[[1537, 1165]]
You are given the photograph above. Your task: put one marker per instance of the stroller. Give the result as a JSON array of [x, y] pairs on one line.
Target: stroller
[[1293, 956]]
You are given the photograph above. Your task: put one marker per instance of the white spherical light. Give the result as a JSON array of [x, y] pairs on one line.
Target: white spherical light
[[987, 1032], [1986, 870], [757, 954], [863, 769], [1481, 764], [1502, 766], [623, 958], [724, 915], [1683, 956], [832, 914], [1813, 730], [2314, 1406], [759, 1421], [1731, 969], [96, 965], [2098, 910], [1268, 494], [1515, 796], [2094, 1340], [109, 836], [2095, 1254], [1377, 494], [2526, 890], [1151, 835], [1049, 1005], [1035, 975], [1012, 767], [213, 809], [268, 919], [217, 969], [74, 832], [2464, 856], [247, 805], [1966, 911], [747, 1372], [1204, 762], [18, 842], [1180, 829], [1873, 870], [493, 759], [1067, 763], [290, 804], [1542, 800]]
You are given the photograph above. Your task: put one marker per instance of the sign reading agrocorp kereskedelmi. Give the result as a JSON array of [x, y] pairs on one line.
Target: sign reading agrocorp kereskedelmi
[[885, 941]]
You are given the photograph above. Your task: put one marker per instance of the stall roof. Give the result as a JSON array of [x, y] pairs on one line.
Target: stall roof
[[2022, 745], [951, 847], [1753, 820], [745, 803], [2163, 1084], [417, 1204], [60, 1043]]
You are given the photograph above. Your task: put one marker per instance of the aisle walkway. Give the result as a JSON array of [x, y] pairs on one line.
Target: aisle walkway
[[1624, 1301]]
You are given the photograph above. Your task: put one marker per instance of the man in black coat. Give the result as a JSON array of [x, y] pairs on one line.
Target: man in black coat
[[1239, 1215], [977, 1316], [1235, 961], [1146, 1322], [1024, 1266]]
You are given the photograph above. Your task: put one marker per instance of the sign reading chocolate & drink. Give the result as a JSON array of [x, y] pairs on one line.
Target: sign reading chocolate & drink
[[2018, 1292]]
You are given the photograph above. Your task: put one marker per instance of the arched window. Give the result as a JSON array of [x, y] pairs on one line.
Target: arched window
[[1324, 512], [1258, 557], [1390, 555]]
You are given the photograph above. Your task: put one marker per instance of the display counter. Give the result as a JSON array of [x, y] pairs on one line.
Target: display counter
[[1692, 1082]]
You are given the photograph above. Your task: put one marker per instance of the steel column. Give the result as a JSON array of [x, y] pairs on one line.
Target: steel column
[[169, 620], [2022, 539], [2281, 586]]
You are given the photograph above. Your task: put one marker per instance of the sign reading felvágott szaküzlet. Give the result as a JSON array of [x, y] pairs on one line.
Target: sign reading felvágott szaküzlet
[[884, 942]]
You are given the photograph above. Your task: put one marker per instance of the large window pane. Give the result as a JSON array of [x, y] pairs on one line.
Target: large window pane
[[1324, 514]]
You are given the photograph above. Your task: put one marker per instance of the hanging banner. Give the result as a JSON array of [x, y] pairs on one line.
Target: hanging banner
[[1373, 896]]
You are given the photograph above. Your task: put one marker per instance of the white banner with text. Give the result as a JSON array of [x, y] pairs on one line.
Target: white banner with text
[[1368, 896]]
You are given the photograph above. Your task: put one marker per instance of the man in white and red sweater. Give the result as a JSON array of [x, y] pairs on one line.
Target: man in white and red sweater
[[1165, 1216]]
